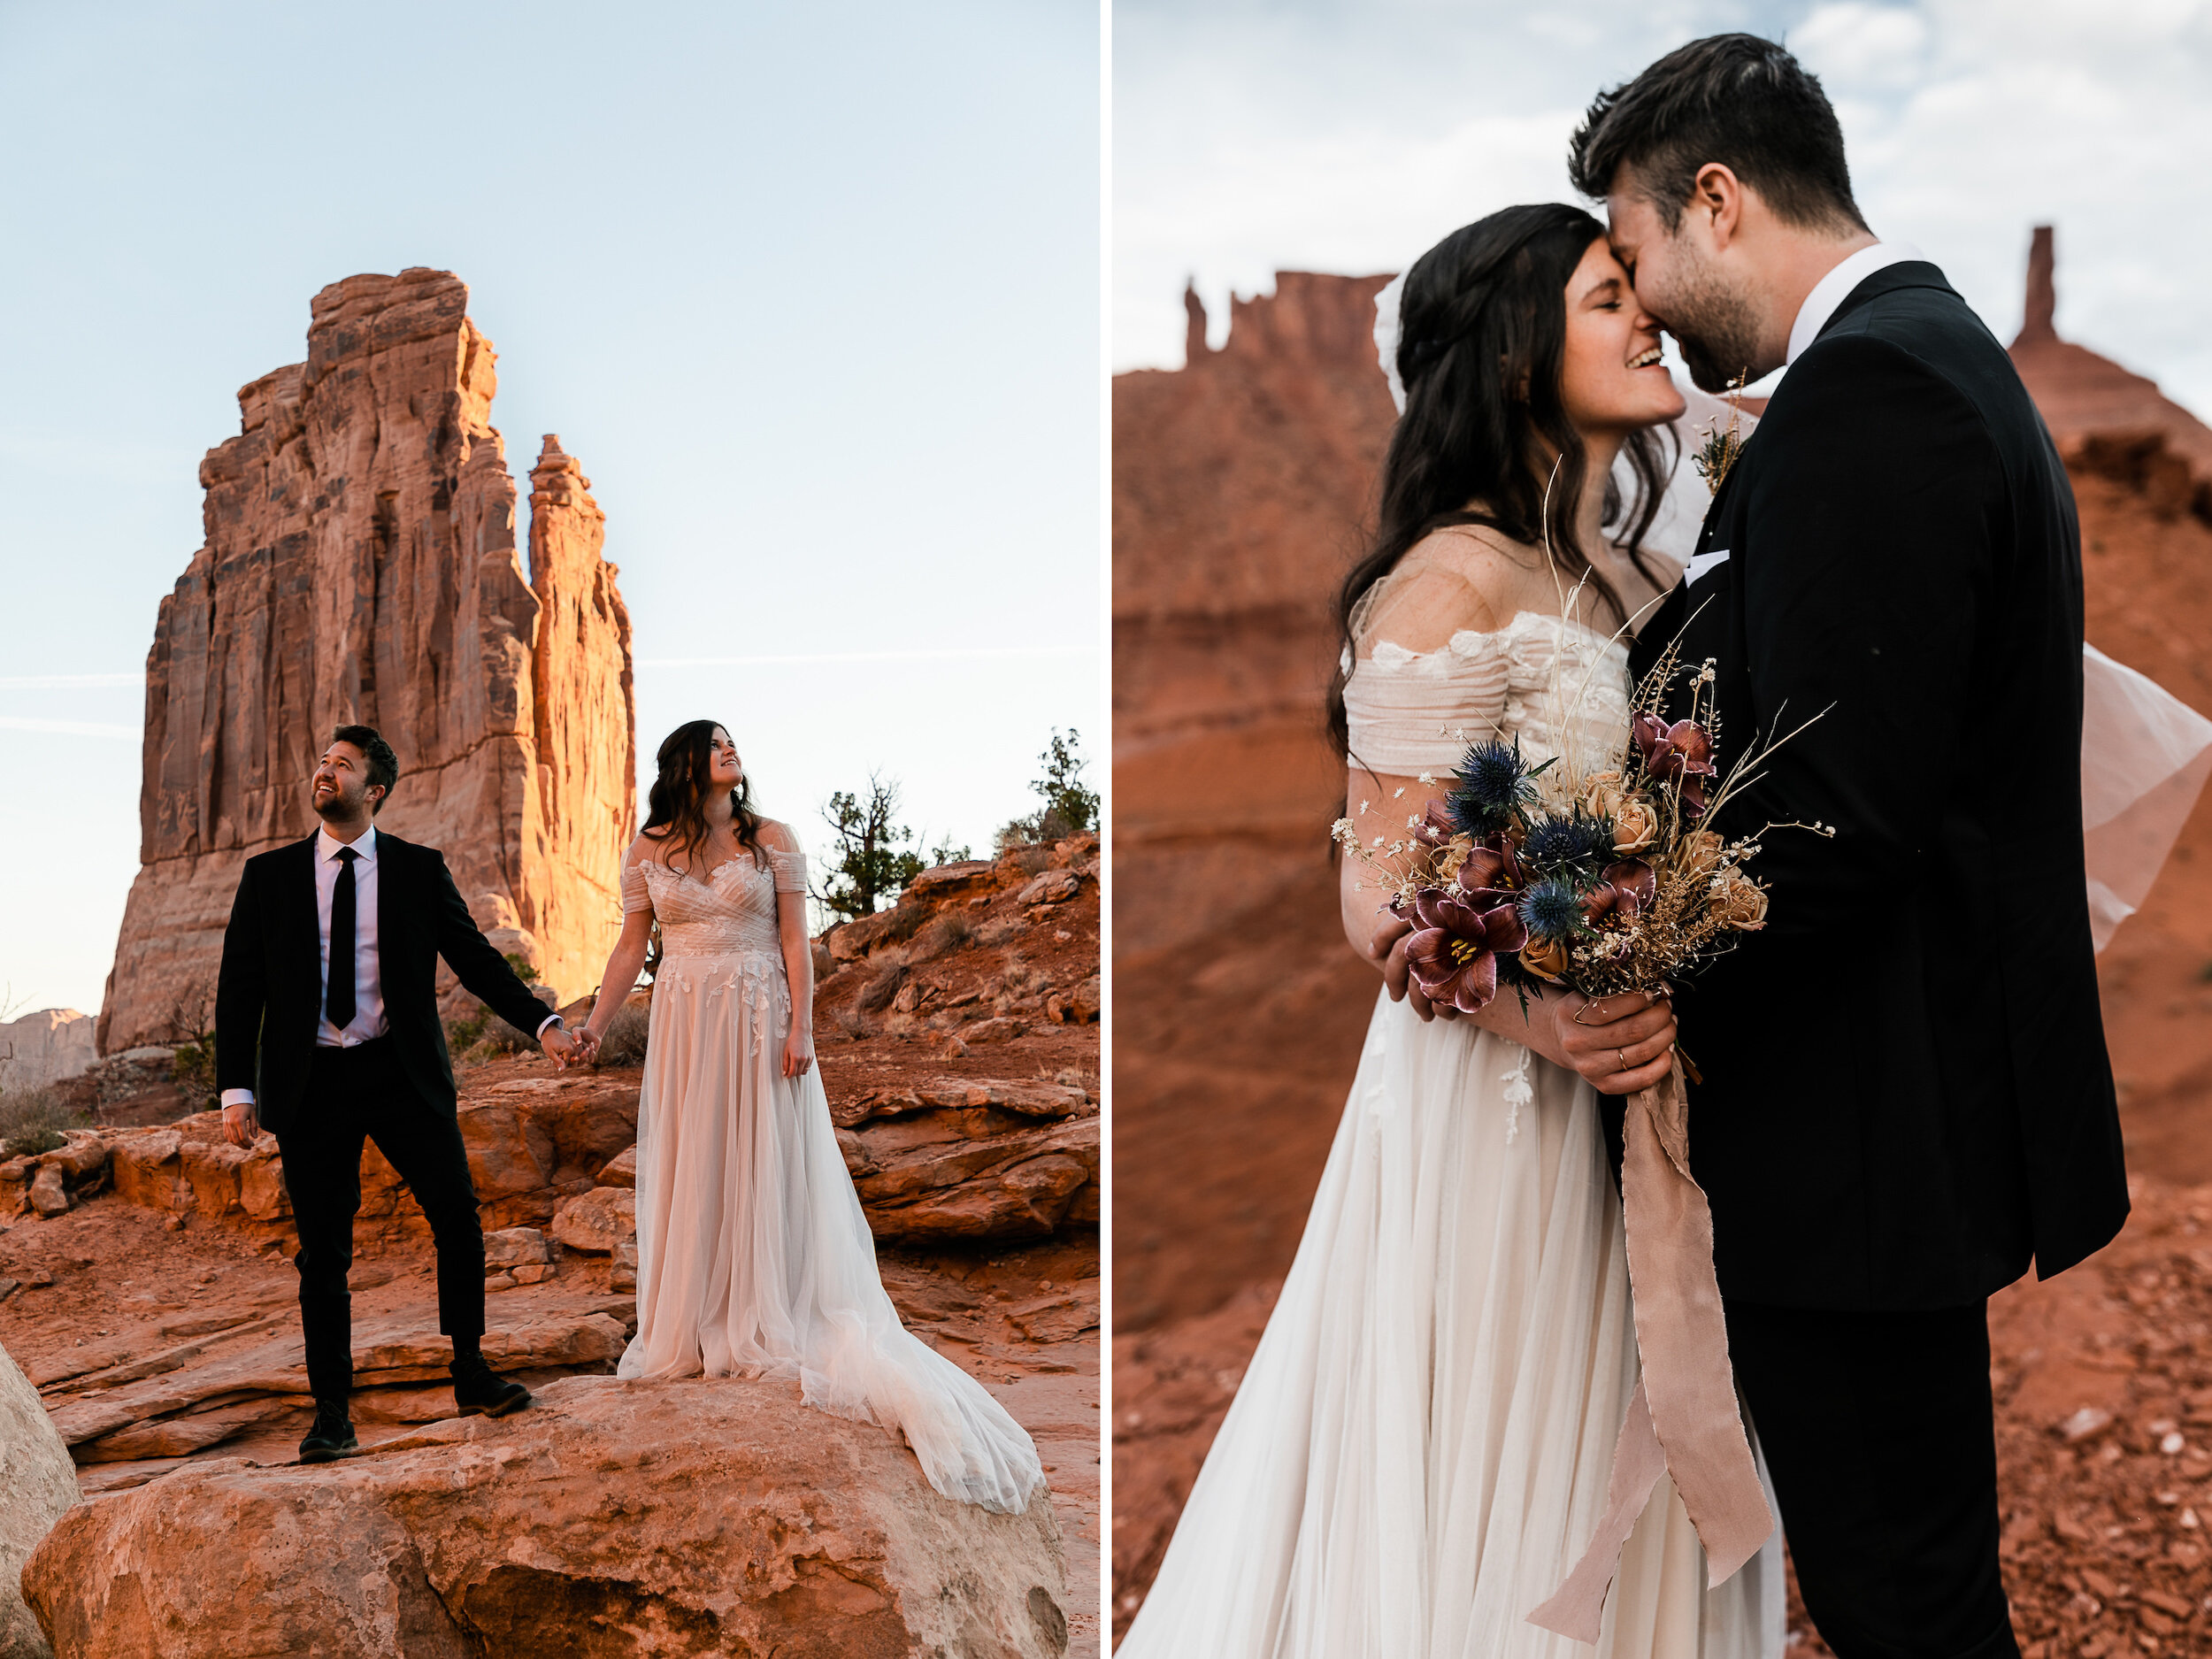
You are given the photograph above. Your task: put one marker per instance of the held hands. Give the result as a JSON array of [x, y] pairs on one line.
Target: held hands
[[241, 1123], [798, 1052], [562, 1046]]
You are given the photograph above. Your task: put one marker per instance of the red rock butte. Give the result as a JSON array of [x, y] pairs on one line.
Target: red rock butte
[[361, 565]]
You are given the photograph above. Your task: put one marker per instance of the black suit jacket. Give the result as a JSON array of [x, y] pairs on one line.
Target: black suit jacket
[[268, 998], [1906, 1092]]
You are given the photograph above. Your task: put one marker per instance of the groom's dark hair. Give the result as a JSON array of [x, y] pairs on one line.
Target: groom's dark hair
[[383, 765], [1735, 99]]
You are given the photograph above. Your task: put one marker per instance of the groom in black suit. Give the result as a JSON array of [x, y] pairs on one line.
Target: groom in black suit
[[1905, 1094], [326, 1033]]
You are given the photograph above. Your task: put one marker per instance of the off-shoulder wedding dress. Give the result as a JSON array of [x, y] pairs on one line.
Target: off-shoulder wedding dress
[[753, 1257], [1419, 1450]]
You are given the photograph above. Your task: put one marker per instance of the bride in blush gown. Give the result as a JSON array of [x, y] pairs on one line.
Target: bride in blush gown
[[753, 1257], [1419, 1450]]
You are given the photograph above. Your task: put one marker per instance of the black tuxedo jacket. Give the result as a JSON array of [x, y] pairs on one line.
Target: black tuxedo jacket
[[268, 998], [1906, 1093]]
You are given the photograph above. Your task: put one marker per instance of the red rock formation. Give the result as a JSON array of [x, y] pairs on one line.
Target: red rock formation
[[2102, 416], [1240, 485], [360, 563], [585, 725]]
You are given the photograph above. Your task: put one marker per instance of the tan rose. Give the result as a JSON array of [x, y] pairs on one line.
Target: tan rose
[[1545, 958], [1740, 903], [1700, 851], [1602, 795], [1635, 825]]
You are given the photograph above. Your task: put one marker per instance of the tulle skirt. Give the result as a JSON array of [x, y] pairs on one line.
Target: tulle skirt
[[753, 1257], [1419, 1449]]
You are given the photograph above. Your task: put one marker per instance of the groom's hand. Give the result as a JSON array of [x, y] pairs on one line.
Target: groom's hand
[[558, 1043], [1618, 1044], [241, 1123]]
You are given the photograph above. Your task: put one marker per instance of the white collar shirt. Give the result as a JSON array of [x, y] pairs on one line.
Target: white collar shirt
[[1833, 290], [368, 979]]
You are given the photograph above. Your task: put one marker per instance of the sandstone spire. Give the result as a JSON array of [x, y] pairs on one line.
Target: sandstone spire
[[2042, 291], [360, 563], [586, 722]]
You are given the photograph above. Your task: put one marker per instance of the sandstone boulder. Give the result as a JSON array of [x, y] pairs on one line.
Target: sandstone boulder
[[687, 1518], [37, 1484], [598, 1220], [1054, 886]]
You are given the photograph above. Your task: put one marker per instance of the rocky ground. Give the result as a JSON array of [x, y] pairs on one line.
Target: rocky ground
[[146, 1288]]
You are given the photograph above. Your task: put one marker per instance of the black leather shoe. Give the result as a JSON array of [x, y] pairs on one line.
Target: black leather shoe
[[331, 1438], [478, 1387]]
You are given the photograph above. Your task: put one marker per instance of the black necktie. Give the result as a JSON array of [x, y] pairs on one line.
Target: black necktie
[[338, 997]]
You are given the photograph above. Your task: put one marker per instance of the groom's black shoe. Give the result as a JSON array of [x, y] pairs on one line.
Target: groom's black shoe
[[477, 1387], [332, 1437]]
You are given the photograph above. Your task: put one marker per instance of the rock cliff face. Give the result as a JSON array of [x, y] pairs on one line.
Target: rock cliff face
[[360, 563], [45, 1047]]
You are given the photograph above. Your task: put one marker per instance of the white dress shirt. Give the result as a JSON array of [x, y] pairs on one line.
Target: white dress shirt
[[1830, 292], [368, 1021]]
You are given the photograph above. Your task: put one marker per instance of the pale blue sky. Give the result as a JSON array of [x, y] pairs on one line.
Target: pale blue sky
[[1253, 135], [811, 292]]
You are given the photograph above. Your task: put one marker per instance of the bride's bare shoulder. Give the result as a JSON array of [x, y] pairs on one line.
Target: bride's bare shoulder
[[644, 847], [777, 837], [1459, 579]]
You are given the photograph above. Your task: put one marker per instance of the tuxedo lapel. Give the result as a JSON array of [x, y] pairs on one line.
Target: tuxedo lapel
[[303, 927]]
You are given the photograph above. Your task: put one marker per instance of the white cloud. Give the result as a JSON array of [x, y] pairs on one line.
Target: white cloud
[[1251, 141]]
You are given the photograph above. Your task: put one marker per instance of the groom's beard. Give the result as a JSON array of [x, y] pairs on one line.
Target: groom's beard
[[1717, 331]]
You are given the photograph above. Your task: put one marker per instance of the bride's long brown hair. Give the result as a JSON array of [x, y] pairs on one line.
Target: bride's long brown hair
[[1485, 439], [676, 806]]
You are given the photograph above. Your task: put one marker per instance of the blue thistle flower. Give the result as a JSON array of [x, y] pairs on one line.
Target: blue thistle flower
[[1551, 910], [1574, 847], [1493, 782]]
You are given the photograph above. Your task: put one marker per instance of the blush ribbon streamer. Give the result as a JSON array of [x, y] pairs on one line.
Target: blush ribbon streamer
[[1683, 1419]]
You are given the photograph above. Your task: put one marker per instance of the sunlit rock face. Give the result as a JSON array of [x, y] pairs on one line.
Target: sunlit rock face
[[361, 564]]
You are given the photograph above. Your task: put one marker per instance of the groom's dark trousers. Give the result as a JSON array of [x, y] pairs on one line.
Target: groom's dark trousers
[[1905, 1097], [396, 1089]]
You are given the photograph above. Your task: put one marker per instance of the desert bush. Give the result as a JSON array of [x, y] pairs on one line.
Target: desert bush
[[941, 937], [1069, 807], [32, 1121], [1017, 978], [855, 1024], [624, 1041], [876, 995]]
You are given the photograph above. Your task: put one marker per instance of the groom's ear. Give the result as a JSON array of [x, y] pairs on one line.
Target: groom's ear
[[1717, 202]]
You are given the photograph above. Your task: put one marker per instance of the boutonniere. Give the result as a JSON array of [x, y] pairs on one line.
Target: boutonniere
[[1722, 445]]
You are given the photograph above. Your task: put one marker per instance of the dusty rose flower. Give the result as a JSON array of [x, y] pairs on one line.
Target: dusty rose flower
[[1680, 753], [1454, 956], [1545, 958], [1633, 885], [1741, 903]]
